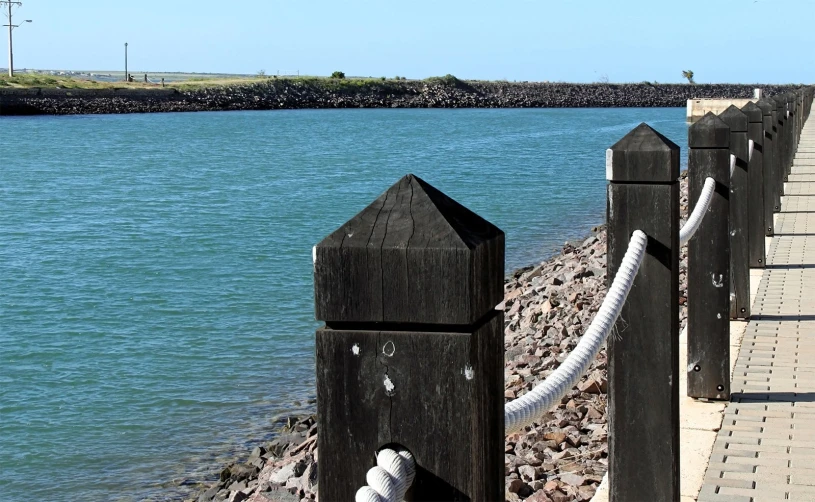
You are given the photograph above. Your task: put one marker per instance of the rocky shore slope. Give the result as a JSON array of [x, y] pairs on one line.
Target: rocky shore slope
[[300, 93], [562, 458]]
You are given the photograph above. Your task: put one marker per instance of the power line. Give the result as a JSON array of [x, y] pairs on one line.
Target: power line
[[10, 4]]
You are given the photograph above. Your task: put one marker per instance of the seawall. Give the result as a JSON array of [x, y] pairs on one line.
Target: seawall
[[333, 93]]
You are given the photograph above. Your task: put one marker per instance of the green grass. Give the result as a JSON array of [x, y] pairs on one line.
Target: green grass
[[33, 80]]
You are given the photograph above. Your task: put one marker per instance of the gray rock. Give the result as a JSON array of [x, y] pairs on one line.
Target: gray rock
[[285, 472]]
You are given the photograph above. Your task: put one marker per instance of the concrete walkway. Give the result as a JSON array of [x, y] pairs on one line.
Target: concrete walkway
[[765, 450]]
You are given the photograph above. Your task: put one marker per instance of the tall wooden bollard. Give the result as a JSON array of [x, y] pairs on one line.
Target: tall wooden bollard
[[739, 207], [643, 367], [797, 100], [793, 128], [709, 263], [782, 148], [768, 153], [775, 144], [412, 351], [755, 179]]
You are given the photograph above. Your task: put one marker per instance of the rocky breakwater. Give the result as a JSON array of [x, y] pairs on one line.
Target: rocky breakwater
[[561, 458], [298, 93]]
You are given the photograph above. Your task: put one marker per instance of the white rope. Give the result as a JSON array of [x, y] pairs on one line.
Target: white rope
[[390, 479], [695, 219], [529, 407]]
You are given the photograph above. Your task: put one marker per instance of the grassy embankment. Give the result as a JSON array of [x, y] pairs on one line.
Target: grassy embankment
[[34, 80]]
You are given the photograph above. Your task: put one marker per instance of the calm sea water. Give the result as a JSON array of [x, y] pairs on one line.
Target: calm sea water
[[156, 309]]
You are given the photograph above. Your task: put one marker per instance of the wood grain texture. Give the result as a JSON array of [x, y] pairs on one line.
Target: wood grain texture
[[709, 132], [755, 180], [782, 148], [708, 278], [644, 347], [644, 155], [443, 402], [768, 158], [414, 255], [740, 201]]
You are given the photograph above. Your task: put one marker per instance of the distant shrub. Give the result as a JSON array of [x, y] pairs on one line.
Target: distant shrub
[[449, 80], [383, 78], [261, 73], [338, 74]]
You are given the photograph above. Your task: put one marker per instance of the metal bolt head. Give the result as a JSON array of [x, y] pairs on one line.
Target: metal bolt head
[[720, 388], [697, 368]]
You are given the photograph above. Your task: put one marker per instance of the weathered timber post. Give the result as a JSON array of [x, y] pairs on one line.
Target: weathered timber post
[[782, 149], [793, 120], [643, 194], [709, 263], [775, 144], [768, 153], [799, 114], [412, 351], [739, 206], [755, 179]]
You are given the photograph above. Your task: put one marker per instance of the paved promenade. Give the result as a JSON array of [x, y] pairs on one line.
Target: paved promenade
[[765, 450]]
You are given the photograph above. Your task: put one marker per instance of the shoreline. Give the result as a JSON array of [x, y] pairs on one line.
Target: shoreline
[[304, 93]]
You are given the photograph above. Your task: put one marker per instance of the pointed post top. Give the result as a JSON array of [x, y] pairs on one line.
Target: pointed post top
[[767, 106], [414, 255], [735, 119], [780, 101], [752, 111], [709, 132], [643, 155]]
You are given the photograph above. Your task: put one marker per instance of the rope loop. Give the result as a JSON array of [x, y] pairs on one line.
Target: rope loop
[[390, 478]]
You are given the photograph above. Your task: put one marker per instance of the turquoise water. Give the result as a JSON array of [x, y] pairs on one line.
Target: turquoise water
[[156, 310]]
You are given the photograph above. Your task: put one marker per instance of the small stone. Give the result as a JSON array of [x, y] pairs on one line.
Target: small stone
[[527, 473], [283, 474], [572, 479], [515, 485]]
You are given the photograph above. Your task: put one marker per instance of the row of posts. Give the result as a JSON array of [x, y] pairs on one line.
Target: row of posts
[[412, 352], [748, 152]]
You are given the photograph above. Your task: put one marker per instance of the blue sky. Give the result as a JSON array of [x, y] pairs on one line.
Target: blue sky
[[565, 40]]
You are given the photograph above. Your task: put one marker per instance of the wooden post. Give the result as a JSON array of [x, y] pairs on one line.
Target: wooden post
[[412, 352], [776, 164], [709, 263], [782, 148], [755, 174], [796, 99], [768, 158], [791, 119], [739, 206], [643, 194]]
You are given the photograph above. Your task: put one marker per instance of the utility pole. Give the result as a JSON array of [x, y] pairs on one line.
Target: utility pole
[[11, 26], [127, 78]]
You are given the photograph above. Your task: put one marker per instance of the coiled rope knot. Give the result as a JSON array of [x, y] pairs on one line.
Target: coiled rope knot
[[390, 479]]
